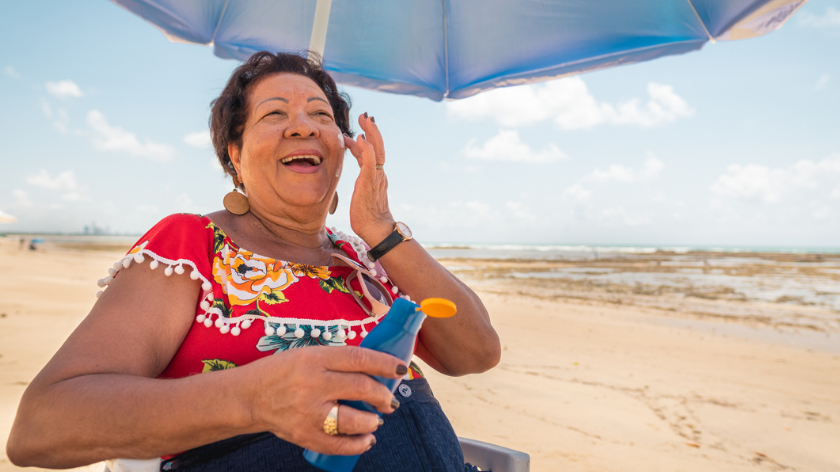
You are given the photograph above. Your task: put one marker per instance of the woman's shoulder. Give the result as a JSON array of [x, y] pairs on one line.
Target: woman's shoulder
[[189, 222]]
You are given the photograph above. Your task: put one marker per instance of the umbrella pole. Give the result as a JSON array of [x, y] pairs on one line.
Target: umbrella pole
[[319, 28]]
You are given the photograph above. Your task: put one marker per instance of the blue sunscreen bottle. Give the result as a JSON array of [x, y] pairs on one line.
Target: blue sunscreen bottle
[[394, 335]]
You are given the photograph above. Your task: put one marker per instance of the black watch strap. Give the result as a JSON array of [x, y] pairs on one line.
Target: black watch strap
[[386, 245]]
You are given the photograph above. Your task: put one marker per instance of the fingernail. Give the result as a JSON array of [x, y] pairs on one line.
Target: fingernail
[[372, 119], [381, 421], [395, 403], [373, 442], [402, 369], [363, 137], [365, 115]]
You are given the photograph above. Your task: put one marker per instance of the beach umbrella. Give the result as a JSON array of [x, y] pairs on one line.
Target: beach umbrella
[[458, 48], [7, 218]]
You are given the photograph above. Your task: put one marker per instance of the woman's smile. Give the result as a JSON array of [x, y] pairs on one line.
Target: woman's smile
[[303, 161]]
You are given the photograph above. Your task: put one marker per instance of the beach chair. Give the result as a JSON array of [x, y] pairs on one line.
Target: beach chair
[[488, 456], [483, 455]]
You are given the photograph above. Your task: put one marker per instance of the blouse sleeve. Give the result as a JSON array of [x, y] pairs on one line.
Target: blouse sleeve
[[180, 244]]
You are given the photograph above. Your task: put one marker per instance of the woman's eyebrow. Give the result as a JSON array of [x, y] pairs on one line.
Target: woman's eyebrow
[[272, 98], [316, 98]]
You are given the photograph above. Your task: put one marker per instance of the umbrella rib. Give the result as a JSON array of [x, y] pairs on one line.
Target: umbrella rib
[[445, 50], [219, 22], [711, 38]]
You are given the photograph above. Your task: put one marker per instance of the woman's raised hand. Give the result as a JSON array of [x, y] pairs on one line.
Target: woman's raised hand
[[297, 389], [370, 217]]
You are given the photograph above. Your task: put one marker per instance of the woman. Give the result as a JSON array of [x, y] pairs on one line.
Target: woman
[[203, 294]]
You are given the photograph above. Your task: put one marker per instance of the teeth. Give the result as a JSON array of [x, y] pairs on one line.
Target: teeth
[[314, 159]]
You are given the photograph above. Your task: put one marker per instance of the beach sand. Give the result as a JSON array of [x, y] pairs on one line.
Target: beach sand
[[593, 377]]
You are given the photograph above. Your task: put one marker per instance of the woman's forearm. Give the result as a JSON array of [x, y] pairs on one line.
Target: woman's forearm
[[464, 344], [95, 417]]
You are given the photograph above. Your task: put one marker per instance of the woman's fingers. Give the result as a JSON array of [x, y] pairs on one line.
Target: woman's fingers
[[373, 135], [341, 444], [354, 148], [367, 158], [360, 387], [352, 421], [367, 361]]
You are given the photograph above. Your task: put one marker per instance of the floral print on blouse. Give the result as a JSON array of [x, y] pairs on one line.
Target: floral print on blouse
[[251, 306]]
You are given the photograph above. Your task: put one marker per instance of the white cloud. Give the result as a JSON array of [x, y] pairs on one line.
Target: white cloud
[[457, 214], [619, 214], [75, 197], [147, 208], [755, 182], [184, 203], [64, 89], [822, 82], [114, 138], [619, 173], [21, 198], [507, 146], [63, 181], [516, 209], [199, 139], [46, 108], [11, 72], [570, 104], [577, 193], [829, 19]]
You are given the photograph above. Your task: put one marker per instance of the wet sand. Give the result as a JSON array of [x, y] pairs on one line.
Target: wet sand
[[608, 365]]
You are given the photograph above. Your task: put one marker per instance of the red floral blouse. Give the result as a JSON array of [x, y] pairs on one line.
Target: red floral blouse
[[252, 306]]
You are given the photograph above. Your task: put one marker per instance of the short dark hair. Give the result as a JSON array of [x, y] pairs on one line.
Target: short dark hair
[[228, 111]]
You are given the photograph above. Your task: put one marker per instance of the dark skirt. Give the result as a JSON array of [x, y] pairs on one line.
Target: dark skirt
[[416, 437]]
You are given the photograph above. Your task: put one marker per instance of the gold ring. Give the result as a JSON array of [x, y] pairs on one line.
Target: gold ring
[[380, 166], [331, 421]]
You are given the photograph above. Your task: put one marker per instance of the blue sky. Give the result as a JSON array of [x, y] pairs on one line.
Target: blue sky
[[103, 120]]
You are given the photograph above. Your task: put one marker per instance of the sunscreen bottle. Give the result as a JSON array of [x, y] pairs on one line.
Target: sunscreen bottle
[[395, 335]]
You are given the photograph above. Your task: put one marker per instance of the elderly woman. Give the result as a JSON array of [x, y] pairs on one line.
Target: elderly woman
[[218, 294]]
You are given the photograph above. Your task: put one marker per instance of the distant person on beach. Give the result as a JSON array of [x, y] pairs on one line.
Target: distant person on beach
[[224, 341]]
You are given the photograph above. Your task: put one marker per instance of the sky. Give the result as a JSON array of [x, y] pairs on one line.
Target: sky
[[104, 121]]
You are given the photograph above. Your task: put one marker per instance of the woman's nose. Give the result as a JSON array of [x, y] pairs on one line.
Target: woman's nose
[[300, 125]]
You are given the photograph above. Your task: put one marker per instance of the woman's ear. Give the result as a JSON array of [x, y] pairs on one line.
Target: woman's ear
[[234, 153]]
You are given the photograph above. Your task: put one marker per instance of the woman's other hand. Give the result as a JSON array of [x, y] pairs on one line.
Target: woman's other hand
[[370, 216], [298, 388]]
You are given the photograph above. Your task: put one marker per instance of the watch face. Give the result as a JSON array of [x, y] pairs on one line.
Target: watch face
[[403, 228]]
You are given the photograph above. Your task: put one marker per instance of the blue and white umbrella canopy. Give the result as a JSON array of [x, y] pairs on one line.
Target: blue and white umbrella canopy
[[458, 48]]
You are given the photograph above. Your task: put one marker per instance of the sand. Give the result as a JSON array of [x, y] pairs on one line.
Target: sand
[[587, 382]]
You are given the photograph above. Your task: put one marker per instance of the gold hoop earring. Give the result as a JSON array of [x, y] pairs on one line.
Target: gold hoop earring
[[235, 202], [334, 204]]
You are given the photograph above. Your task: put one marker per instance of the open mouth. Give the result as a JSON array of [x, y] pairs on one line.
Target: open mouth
[[306, 160]]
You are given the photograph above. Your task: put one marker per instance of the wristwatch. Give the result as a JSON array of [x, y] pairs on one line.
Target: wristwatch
[[401, 233]]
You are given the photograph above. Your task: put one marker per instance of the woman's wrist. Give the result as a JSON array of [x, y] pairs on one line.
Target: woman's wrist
[[376, 233]]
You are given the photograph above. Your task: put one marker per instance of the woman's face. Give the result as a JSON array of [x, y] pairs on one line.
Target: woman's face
[[292, 150]]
